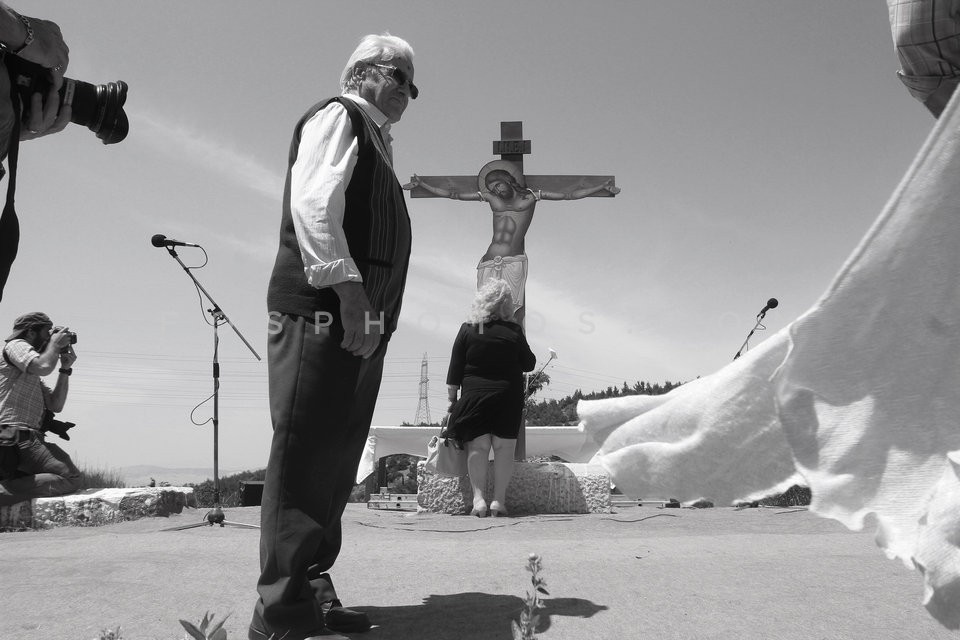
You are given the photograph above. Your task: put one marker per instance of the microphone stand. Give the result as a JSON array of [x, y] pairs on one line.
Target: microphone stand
[[215, 515], [536, 376], [760, 317], [520, 451]]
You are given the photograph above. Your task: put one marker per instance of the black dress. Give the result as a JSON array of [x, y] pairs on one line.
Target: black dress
[[487, 363]]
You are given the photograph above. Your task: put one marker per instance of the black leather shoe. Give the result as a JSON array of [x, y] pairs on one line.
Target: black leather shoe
[[336, 617], [327, 634], [257, 631]]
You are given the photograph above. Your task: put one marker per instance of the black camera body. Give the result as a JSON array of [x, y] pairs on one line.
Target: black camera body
[[73, 336], [97, 107], [50, 424]]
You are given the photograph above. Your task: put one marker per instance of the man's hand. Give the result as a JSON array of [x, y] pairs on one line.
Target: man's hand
[[44, 116], [46, 363], [60, 340], [413, 184], [48, 50], [67, 356], [361, 327]]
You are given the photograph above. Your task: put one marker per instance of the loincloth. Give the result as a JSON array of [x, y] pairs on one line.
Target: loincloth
[[512, 269]]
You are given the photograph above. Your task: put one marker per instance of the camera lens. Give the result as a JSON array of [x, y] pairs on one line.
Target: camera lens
[[98, 108]]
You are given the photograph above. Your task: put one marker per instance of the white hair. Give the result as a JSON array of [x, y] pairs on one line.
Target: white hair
[[494, 301], [372, 48]]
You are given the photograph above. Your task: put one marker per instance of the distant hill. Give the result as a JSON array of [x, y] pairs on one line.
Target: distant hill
[[139, 475]]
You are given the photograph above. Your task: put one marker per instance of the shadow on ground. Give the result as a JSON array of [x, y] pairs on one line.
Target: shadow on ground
[[467, 616]]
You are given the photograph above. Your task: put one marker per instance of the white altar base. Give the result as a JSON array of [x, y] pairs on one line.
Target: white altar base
[[534, 487], [569, 443]]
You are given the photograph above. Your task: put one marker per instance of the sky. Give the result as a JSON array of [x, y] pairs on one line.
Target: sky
[[755, 141]]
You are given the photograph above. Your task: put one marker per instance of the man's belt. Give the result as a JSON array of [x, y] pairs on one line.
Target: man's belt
[[25, 434]]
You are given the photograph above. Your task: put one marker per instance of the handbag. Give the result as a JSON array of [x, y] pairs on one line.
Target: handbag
[[446, 456]]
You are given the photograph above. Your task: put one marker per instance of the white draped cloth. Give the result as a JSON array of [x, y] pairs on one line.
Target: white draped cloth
[[860, 395]]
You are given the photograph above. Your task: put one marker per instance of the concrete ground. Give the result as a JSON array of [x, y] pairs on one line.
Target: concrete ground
[[643, 572]]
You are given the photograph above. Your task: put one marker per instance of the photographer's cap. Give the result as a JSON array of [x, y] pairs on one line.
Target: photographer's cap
[[28, 321]]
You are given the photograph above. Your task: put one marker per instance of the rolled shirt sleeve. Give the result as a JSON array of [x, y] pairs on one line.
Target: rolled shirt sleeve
[[20, 354], [318, 182]]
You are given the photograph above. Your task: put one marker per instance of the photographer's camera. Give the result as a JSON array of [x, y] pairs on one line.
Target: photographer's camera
[[73, 336], [97, 107]]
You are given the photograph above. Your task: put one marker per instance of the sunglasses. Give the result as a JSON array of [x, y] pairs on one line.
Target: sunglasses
[[399, 76]]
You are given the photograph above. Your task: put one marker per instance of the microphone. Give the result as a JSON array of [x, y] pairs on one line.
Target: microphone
[[771, 304], [160, 240]]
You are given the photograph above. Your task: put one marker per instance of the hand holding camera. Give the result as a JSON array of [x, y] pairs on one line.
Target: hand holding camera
[[45, 115], [40, 44], [62, 337], [99, 108], [65, 339], [67, 357], [47, 49]]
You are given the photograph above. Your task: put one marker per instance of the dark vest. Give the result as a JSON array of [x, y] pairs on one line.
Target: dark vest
[[375, 223]]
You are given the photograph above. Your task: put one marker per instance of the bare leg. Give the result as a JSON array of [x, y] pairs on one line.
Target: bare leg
[[478, 455], [502, 470]]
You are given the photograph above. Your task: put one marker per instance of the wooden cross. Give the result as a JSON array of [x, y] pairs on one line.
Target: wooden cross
[[511, 148], [512, 196]]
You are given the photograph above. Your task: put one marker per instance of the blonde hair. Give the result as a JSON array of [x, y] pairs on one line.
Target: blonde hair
[[494, 301], [372, 48]]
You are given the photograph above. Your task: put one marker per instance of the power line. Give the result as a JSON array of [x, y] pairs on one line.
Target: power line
[[113, 376]]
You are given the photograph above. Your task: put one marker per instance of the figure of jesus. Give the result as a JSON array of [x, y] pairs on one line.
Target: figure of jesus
[[512, 203]]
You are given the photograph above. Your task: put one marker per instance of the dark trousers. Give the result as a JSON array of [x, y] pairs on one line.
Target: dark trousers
[[44, 471], [321, 403]]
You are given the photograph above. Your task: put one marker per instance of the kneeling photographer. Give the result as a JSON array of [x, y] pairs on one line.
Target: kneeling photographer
[[37, 100], [31, 467]]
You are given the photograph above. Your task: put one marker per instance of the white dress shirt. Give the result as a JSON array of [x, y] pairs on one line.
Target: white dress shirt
[[318, 184]]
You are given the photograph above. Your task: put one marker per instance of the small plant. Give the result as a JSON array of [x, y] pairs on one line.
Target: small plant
[[205, 631], [110, 634], [100, 478], [529, 618]]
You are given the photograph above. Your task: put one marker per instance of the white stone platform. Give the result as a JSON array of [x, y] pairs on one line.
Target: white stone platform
[[94, 507], [535, 488], [566, 442]]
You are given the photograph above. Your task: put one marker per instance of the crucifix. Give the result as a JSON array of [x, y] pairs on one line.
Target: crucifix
[[512, 197]]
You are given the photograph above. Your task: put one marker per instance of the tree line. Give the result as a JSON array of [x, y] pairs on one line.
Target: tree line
[[563, 412]]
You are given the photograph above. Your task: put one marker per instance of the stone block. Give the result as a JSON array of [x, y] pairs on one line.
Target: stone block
[[94, 507], [16, 517], [535, 488]]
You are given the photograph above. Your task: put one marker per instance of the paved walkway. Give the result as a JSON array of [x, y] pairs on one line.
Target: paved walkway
[[640, 573]]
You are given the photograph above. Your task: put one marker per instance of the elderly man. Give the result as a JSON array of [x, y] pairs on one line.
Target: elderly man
[[40, 469], [333, 298]]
